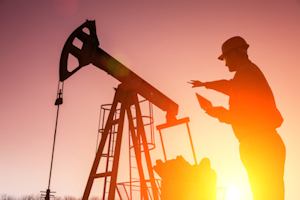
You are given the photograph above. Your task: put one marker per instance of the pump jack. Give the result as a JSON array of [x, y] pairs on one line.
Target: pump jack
[[127, 96]]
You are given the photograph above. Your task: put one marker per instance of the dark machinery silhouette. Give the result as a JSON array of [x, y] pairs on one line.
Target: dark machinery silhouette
[[126, 97], [91, 53]]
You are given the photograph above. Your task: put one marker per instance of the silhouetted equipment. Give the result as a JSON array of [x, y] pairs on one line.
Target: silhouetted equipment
[[180, 180], [175, 123], [59, 101], [125, 101], [91, 53], [47, 194]]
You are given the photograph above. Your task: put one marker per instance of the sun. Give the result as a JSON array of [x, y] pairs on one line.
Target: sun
[[232, 193]]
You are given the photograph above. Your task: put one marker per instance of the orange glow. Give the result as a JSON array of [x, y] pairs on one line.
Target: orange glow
[[167, 44]]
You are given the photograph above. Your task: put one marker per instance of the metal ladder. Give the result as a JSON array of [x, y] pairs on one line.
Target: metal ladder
[[110, 147]]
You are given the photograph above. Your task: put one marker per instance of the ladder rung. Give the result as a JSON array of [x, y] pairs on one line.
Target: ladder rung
[[106, 155], [113, 122], [102, 175]]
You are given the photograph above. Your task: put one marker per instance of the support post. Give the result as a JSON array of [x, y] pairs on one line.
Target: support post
[[126, 98]]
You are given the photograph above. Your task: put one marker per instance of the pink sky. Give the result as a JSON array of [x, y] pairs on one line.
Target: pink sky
[[167, 44]]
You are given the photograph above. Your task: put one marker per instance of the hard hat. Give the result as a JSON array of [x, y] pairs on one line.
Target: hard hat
[[232, 43]]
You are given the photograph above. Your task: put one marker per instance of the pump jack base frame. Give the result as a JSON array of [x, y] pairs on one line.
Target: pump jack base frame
[[127, 98]]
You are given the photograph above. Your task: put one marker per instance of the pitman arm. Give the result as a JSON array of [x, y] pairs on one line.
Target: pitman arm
[[91, 53]]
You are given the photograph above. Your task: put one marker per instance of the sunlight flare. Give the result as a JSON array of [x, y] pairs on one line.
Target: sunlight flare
[[232, 194]]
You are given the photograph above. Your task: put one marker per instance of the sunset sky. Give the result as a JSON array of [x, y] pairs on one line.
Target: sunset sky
[[167, 43]]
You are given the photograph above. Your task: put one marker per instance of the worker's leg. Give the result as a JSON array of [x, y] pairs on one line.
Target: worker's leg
[[263, 157]]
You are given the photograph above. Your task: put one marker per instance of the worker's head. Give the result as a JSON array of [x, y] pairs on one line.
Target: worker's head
[[234, 50]]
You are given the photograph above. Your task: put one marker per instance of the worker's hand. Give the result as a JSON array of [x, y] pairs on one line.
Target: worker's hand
[[196, 83], [218, 112]]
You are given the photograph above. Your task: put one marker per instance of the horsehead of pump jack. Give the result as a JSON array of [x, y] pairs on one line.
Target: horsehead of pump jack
[[91, 53]]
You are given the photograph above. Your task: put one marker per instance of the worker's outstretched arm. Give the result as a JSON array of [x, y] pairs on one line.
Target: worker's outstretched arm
[[222, 86]]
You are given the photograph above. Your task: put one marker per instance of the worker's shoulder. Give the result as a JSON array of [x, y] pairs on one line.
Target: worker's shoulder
[[250, 69]]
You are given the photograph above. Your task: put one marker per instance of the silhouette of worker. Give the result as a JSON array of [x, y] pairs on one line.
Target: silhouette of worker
[[254, 118]]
